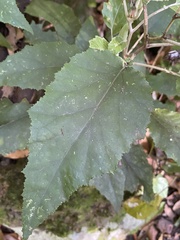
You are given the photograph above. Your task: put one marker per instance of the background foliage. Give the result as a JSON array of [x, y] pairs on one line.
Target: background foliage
[[97, 101]]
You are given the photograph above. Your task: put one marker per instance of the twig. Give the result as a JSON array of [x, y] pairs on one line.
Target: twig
[[157, 68], [155, 13], [152, 45], [129, 39], [145, 24], [170, 24], [125, 8], [136, 52], [135, 44], [171, 42], [156, 59]]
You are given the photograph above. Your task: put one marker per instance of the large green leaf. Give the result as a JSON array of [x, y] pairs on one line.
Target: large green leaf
[[14, 126], [34, 66], [89, 116], [61, 16], [137, 171], [165, 130], [111, 185], [114, 16], [11, 14]]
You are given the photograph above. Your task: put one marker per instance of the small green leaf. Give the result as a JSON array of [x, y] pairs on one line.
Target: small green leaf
[[38, 65], [111, 185], [177, 7], [87, 32], [4, 42], [114, 16], [160, 186], [81, 128], [14, 126], [142, 210], [98, 43], [137, 171], [61, 16], [165, 130], [118, 43], [11, 14], [171, 168]]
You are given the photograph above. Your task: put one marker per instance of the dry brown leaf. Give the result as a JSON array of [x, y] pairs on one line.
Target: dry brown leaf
[[14, 35], [18, 154]]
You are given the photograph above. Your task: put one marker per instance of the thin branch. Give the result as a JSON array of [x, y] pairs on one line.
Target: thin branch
[[155, 13], [137, 52], [171, 42], [168, 27], [129, 39], [125, 8], [145, 24], [152, 45], [156, 59], [136, 43], [157, 68]]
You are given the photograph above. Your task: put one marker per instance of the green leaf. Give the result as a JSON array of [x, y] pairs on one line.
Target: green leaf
[[178, 86], [164, 83], [87, 32], [156, 26], [165, 131], [80, 129], [4, 42], [160, 186], [40, 35], [176, 8], [11, 14], [137, 171], [98, 43], [169, 105], [171, 168], [142, 210], [61, 16], [14, 126], [34, 66], [118, 43], [114, 16], [111, 185]]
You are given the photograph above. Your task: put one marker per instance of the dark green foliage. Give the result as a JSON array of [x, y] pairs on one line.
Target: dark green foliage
[[97, 102]]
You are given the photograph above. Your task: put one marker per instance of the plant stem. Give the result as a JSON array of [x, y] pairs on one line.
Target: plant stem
[[135, 44], [145, 25], [129, 39], [171, 42], [157, 68], [125, 8], [156, 59], [152, 45], [155, 13], [169, 25]]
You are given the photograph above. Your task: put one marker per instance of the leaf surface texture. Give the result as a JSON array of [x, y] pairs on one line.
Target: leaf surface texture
[[81, 128]]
